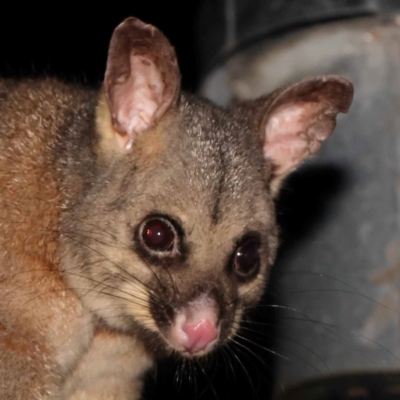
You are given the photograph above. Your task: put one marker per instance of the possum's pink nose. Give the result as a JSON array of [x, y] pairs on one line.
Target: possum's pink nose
[[199, 335], [195, 327]]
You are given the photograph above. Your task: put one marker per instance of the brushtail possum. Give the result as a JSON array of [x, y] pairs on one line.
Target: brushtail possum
[[137, 221]]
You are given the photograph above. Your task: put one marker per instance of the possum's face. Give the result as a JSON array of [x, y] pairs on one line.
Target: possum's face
[[180, 232], [176, 237], [193, 228]]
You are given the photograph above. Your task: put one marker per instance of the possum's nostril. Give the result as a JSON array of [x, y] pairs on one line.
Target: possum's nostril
[[199, 335]]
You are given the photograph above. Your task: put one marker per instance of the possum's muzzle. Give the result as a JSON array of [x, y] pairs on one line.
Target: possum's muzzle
[[194, 327]]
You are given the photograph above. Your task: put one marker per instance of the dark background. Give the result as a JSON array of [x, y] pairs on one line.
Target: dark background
[[71, 43]]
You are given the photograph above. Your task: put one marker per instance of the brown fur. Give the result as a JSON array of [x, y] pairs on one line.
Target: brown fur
[[85, 308], [32, 291]]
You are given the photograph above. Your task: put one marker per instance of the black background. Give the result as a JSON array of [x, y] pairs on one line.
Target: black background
[[71, 42]]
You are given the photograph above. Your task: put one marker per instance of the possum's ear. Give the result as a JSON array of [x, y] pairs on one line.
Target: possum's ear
[[142, 80], [295, 120]]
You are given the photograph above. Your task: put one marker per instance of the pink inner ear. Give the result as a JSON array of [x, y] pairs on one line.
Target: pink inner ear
[[293, 132], [137, 98]]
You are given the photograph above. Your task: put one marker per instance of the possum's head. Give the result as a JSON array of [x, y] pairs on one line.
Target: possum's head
[[177, 234]]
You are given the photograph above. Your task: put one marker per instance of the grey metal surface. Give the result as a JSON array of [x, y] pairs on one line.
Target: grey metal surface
[[339, 271], [228, 25]]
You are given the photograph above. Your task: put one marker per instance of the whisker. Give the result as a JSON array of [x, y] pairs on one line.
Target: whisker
[[246, 293], [192, 372], [111, 261], [89, 289], [251, 352], [295, 342], [328, 328], [132, 284], [141, 258], [263, 348], [346, 292], [210, 385], [243, 369]]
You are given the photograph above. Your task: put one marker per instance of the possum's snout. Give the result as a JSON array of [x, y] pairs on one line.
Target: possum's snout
[[195, 332], [195, 328]]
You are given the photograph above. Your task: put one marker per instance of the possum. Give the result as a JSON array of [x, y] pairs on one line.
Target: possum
[[137, 221]]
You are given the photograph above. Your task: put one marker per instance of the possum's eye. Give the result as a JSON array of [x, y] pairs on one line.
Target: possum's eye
[[247, 258], [158, 235]]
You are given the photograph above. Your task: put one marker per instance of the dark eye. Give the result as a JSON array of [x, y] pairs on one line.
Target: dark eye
[[247, 258], [158, 235]]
